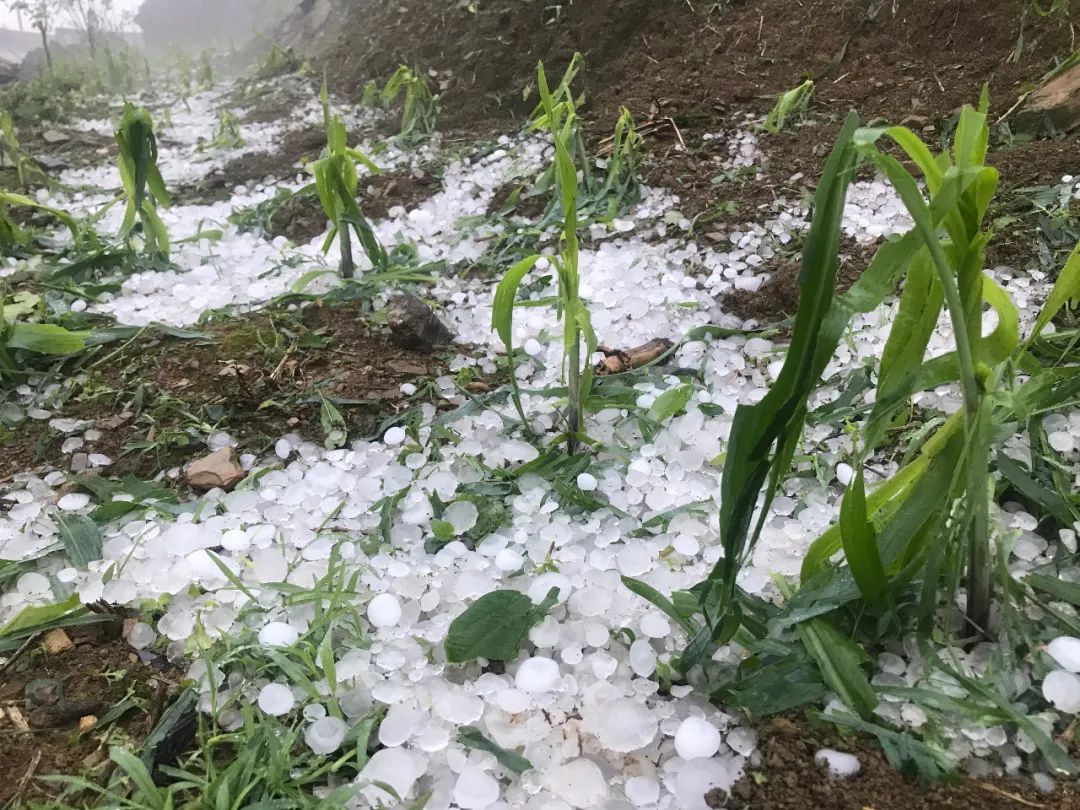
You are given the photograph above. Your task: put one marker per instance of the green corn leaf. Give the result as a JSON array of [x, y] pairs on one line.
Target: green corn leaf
[[658, 600], [502, 309], [860, 543], [1066, 289], [776, 421], [81, 538], [45, 338], [838, 658], [494, 626], [472, 737], [30, 617], [670, 402], [10, 198], [1055, 587], [1049, 501]]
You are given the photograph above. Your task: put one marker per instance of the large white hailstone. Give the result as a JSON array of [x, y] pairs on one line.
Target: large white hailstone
[[461, 515], [1062, 689], [1066, 651], [696, 738], [586, 482], [579, 783], [622, 725], [699, 776], [537, 675], [839, 764], [398, 724], [276, 699], [325, 736], [475, 789], [278, 634], [384, 610], [395, 767]]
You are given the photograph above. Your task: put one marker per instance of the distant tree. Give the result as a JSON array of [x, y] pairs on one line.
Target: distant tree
[[92, 18], [42, 15]]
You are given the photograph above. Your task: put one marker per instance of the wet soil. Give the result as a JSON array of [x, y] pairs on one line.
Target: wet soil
[[777, 299], [256, 377], [98, 672], [297, 147], [301, 218], [789, 779]]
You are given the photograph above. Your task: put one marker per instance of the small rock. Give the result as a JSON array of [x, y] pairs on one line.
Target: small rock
[[56, 642], [414, 326], [54, 136], [217, 470], [43, 692], [87, 722], [1053, 107]]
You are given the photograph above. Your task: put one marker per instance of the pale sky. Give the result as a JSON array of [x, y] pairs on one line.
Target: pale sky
[[9, 20]]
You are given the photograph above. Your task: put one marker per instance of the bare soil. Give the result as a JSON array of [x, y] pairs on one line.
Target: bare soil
[[789, 779], [96, 674]]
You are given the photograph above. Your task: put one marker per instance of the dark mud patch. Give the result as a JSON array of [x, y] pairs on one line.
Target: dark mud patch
[[777, 299], [96, 674], [256, 377], [301, 218], [788, 779], [297, 147], [511, 198]]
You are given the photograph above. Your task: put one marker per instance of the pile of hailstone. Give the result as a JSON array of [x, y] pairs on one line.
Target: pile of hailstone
[[581, 704]]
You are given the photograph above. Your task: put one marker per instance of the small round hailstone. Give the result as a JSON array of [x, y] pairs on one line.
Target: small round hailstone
[[394, 436], [586, 482], [698, 777], [512, 701], [475, 789], [642, 791], [623, 725], [1062, 689], [845, 474], [537, 675], [384, 610], [642, 658], [73, 501], [1066, 651], [278, 634], [283, 448], [141, 636], [276, 699], [696, 738], [579, 783], [325, 736], [839, 764], [532, 347]]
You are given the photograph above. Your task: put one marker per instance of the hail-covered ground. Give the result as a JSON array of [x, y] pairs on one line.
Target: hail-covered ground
[[583, 704]]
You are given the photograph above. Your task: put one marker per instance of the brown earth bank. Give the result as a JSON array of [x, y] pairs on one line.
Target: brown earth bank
[[789, 779], [895, 59]]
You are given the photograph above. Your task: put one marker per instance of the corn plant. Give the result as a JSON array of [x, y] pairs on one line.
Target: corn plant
[[143, 188], [419, 111], [791, 105], [931, 519], [205, 69], [11, 151], [603, 194], [227, 134], [336, 181], [560, 119]]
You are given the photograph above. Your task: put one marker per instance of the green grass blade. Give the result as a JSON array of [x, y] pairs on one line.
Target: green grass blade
[[861, 544]]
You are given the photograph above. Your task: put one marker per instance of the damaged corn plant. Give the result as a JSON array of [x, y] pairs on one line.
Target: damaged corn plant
[[419, 108], [924, 539], [143, 188], [336, 180]]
